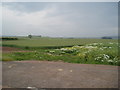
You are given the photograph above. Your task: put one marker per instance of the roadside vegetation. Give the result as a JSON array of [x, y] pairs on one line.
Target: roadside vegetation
[[84, 51]]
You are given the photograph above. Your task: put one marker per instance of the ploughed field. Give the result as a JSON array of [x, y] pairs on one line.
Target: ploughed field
[[84, 51]]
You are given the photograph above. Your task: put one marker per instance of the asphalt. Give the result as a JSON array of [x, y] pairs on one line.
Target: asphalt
[[46, 74]]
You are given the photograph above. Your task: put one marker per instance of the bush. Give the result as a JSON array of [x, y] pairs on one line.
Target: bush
[[9, 38], [26, 47]]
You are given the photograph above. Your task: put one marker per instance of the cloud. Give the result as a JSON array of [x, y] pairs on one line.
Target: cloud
[[60, 19], [60, 1], [37, 22]]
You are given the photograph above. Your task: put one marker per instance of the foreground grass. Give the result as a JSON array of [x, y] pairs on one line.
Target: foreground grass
[[94, 53]]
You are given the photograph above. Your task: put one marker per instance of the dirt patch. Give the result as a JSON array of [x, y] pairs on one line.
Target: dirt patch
[[4, 49], [12, 49]]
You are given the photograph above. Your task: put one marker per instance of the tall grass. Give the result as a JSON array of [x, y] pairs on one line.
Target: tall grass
[[94, 53]]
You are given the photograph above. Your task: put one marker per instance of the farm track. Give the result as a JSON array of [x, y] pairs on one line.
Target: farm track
[[45, 74]]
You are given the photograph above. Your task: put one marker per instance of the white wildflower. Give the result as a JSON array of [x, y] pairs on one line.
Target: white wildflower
[[76, 46], [104, 47], [62, 52], [110, 60], [106, 56], [51, 51], [101, 49], [102, 60], [63, 49], [95, 43], [110, 43]]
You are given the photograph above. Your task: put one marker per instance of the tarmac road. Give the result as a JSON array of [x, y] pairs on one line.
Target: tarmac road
[[46, 74]]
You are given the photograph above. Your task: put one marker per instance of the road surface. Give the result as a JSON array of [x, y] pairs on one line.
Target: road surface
[[46, 74]]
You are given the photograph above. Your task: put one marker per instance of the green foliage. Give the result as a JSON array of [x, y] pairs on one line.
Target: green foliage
[[30, 36], [7, 58], [94, 53]]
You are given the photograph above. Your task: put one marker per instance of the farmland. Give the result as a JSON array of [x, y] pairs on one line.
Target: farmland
[[85, 51], [44, 42]]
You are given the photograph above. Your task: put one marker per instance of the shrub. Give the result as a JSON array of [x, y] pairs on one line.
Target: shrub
[[9, 38]]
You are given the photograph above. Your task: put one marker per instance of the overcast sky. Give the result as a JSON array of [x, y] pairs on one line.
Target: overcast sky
[[70, 19]]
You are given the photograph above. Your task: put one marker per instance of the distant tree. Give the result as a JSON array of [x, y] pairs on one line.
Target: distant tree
[[30, 36], [106, 37], [39, 36]]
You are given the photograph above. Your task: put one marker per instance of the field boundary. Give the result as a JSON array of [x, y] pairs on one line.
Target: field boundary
[[41, 47]]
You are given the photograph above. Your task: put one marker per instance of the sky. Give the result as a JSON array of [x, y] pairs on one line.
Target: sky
[[60, 19]]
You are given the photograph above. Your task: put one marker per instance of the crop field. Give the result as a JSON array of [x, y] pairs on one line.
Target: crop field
[[85, 51], [44, 42]]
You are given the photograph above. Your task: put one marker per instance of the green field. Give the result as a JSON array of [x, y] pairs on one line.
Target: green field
[[85, 51], [44, 42]]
